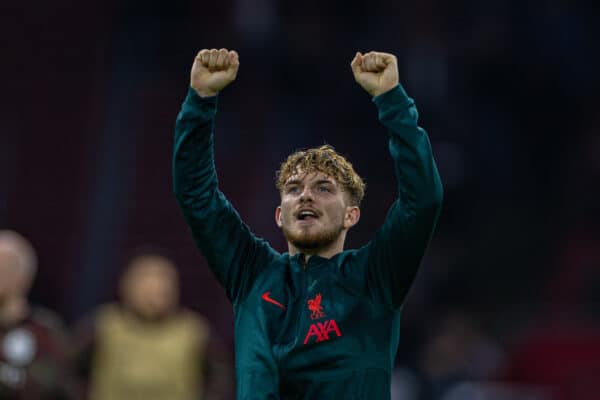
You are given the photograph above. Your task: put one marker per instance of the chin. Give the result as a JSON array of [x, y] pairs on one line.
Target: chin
[[311, 241]]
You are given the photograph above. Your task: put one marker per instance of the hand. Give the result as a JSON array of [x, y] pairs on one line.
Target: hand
[[375, 72], [213, 70]]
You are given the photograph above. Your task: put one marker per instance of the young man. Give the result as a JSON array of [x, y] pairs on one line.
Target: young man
[[317, 322]]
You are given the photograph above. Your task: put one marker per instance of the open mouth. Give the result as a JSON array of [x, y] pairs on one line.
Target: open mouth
[[307, 215]]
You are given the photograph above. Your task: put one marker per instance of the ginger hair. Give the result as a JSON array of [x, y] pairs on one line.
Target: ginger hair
[[326, 160]]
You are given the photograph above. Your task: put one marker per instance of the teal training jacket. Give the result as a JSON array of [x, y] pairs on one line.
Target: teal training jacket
[[327, 328]]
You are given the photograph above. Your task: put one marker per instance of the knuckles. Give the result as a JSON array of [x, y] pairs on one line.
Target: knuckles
[[214, 59]]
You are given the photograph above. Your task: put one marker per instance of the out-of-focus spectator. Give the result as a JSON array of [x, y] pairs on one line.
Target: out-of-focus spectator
[[457, 352], [148, 347], [32, 339], [561, 349]]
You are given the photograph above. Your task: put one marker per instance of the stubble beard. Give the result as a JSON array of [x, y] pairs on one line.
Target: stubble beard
[[306, 241]]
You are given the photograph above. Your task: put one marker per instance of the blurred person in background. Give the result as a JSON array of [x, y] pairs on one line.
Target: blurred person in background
[[560, 348], [316, 322], [147, 347], [33, 358], [457, 352]]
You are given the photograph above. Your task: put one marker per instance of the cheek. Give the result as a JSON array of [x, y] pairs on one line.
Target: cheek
[[335, 214], [283, 214], [289, 218]]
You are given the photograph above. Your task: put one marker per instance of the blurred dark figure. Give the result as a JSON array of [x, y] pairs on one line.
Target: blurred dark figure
[[147, 347], [561, 348], [32, 339], [456, 353]]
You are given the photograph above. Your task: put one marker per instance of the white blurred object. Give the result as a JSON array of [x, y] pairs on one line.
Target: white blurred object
[[19, 347]]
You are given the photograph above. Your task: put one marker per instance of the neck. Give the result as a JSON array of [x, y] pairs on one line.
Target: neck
[[326, 251], [13, 310]]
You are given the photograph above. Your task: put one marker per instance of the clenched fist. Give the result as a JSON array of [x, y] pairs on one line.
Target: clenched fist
[[375, 72], [213, 70]]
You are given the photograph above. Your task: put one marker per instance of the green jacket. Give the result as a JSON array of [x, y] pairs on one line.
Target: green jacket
[[328, 328]]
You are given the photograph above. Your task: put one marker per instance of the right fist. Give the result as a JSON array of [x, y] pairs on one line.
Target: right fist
[[213, 70]]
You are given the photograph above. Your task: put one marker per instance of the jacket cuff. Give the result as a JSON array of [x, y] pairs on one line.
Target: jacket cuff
[[203, 106], [396, 95]]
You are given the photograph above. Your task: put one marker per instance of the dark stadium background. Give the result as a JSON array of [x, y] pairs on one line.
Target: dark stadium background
[[508, 91]]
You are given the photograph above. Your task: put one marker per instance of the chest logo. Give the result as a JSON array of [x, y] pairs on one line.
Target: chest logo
[[315, 307], [266, 296], [321, 331]]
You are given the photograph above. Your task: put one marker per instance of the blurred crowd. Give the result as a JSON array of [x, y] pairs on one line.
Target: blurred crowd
[[506, 304], [144, 346]]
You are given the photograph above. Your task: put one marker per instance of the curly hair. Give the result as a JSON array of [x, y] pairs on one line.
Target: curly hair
[[326, 160]]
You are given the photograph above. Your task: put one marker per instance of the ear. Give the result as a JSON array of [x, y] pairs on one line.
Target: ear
[[278, 216], [352, 216]]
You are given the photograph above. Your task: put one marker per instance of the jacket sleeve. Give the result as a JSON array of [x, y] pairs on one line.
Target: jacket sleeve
[[394, 253], [233, 253]]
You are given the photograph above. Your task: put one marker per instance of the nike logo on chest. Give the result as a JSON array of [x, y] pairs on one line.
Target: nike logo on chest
[[266, 296]]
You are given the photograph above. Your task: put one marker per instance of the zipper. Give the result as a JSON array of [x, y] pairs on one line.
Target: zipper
[[301, 298]]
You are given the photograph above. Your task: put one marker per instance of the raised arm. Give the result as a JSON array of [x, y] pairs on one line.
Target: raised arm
[[233, 253], [395, 252]]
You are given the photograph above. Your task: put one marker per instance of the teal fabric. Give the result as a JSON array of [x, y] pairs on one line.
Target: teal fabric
[[326, 328]]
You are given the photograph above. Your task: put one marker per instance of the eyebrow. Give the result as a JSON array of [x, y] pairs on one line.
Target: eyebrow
[[292, 182], [322, 181], [299, 182]]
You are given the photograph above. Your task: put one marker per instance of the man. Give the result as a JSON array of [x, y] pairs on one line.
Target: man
[[316, 322], [33, 361], [147, 347]]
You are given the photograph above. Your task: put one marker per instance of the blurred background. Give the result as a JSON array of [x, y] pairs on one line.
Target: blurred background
[[507, 302]]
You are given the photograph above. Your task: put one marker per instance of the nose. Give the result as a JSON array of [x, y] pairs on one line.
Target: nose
[[306, 195]]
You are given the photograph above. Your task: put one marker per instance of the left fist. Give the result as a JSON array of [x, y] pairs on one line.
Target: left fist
[[375, 72]]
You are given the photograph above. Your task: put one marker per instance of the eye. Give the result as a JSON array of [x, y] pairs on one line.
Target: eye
[[324, 189], [292, 189]]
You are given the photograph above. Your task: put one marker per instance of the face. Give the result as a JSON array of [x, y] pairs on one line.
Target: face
[[11, 276], [150, 287], [314, 211]]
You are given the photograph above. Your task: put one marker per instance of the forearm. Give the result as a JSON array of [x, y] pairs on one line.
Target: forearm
[[194, 175], [396, 250], [233, 253], [418, 180], [195, 179]]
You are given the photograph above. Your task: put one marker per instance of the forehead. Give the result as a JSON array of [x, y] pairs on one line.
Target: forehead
[[308, 178], [9, 258], [146, 266]]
